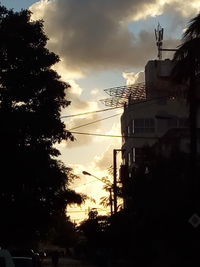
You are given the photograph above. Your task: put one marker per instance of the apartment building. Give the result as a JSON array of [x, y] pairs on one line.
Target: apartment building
[[145, 120], [156, 110]]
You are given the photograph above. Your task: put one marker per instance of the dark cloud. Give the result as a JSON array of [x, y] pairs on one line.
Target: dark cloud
[[94, 34]]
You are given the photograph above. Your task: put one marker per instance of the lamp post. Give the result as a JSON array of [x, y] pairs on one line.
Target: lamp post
[[110, 189]]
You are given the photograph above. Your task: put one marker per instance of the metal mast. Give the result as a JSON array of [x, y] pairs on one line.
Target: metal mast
[[159, 40]]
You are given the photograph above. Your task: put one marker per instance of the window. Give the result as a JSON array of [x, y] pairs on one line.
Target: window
[[129, 159], [175, 123], [128, 130], [143, 126], [133, 154], [137, 154]]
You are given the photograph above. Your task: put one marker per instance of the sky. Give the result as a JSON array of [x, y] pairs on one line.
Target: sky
[[102, 44]]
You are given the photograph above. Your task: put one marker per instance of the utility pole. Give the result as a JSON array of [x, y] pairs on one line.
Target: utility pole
[[111, 201], [115, 178]]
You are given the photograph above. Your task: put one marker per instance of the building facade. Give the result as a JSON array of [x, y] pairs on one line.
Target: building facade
[[145, 121], [160, 115]]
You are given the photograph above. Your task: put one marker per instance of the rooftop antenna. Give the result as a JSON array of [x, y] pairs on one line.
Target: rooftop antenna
[[159, 40]]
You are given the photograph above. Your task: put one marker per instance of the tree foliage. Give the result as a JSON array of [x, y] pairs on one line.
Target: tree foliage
[[94, 228], [186, 72], [33, 183], [187, 56]]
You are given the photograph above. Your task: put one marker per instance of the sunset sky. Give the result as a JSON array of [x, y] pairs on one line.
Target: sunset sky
[[102, 44]]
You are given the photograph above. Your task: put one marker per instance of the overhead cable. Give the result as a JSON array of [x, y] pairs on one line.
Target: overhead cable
[[108, 109], [90, 112], [97, 121], [119, 136], [89, 123], [84, 184]]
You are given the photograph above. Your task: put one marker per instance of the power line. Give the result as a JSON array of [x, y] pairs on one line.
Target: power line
[[84, 184], [125, 136], [90, 112], [68, 211], [108, 109], [97, 121], [89, 123], [94, 134]]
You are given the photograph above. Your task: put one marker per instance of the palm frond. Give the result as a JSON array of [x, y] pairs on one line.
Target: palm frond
[[105, 201], [193, 30], [187, 59]]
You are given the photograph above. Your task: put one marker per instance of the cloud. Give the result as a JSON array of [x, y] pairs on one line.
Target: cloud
[[92, 34], [78, 106], [185, 10], [132, 77], [77, 125], [74, 94], [95, 91], [105, 160]]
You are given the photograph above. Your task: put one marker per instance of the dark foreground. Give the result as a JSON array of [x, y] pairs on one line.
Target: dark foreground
[[67, 262]]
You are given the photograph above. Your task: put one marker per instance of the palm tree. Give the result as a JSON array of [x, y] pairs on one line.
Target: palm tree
[[186, 72]]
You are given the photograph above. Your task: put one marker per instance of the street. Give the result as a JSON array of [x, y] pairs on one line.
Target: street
[[66, 262]]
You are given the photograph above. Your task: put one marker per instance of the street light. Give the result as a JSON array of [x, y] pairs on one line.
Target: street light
[[110, 189], [89, 174]]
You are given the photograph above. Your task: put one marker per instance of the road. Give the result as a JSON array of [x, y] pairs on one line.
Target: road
[[66, 262]]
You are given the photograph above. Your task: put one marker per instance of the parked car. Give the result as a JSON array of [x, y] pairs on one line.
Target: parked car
[[6, 258], [23, 261], [42, 255], [24, 256], [21, 252]]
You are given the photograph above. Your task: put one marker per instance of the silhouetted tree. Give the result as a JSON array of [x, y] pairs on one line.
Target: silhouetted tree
[[186, 71], [33, 183], [108, 187], [95, 229], [63, 233], [161, 209]]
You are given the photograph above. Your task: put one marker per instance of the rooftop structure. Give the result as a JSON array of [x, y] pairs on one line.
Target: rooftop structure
[[122, 94]]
